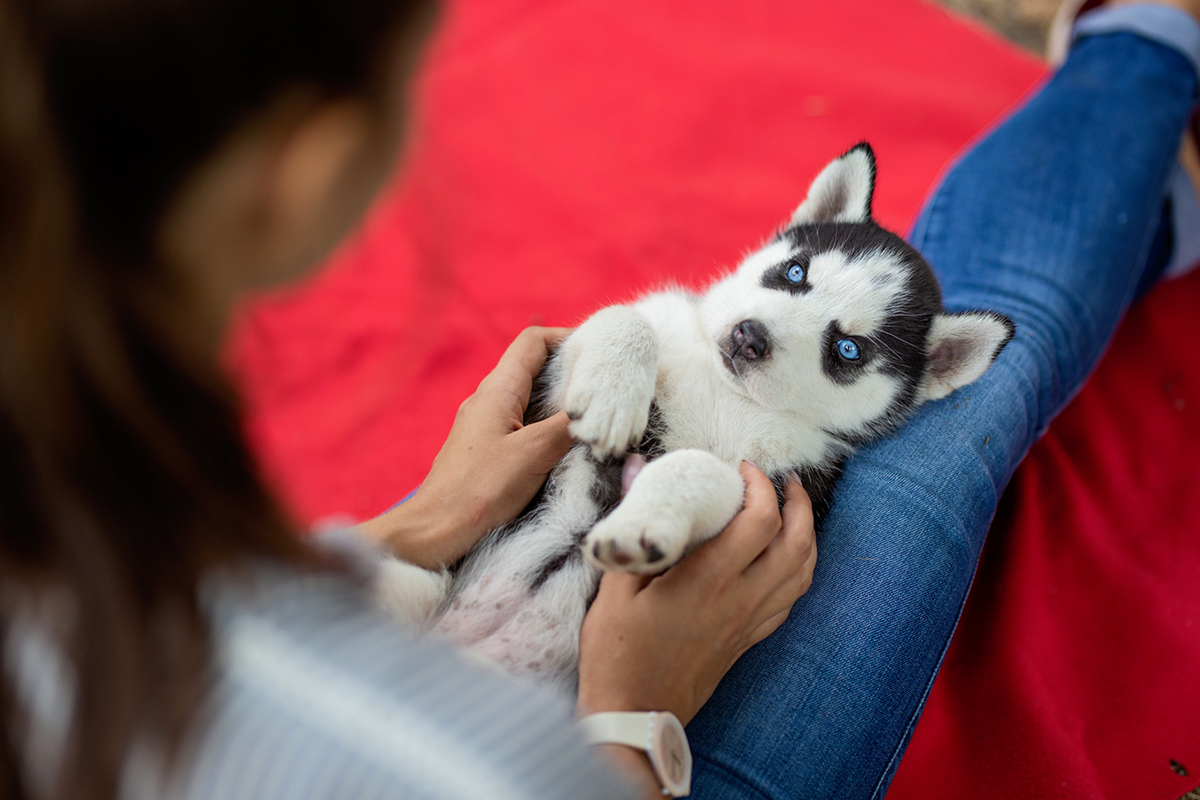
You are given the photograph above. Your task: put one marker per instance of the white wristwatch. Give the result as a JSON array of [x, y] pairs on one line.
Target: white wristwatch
[[659, 733]]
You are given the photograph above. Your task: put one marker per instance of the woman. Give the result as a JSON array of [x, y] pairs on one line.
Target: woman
[[1055, 219], [165, 631]]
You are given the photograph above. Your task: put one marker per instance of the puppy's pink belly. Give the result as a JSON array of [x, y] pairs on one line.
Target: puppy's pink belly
[[528, 636]]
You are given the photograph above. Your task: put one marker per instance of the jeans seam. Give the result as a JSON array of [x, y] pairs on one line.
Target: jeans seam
[[889, 771]]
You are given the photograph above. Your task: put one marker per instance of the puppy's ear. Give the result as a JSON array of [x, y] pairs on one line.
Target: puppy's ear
[[843, 190], [960, 348]]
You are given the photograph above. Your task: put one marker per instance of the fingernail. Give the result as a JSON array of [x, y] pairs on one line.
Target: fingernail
[[796, 477], [751, 463]]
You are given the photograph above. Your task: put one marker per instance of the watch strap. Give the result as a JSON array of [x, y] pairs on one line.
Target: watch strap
[[633, 728]]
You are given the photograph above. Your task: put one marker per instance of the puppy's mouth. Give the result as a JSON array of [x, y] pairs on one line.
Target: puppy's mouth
[[747, 346]]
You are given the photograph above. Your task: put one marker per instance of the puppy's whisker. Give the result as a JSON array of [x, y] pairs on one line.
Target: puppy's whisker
[[732, 364]]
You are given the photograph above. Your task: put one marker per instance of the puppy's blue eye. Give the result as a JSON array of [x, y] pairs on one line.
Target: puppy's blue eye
[[847, 349], [795, 273]]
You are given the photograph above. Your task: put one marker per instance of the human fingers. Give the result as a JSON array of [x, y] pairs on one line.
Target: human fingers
[[521, 362], [797, 504], [791, 587], [784, 572], [759, 521], [541, 445], [794, 550], [620, 586], [778, 562]]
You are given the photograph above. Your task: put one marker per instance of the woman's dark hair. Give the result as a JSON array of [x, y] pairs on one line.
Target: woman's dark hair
[[126, 474]]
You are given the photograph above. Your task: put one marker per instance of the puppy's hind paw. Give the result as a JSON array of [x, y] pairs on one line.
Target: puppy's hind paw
[[627, 544], [407, 593]]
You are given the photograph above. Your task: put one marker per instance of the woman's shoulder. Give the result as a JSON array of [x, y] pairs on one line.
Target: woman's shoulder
[[315, 695]]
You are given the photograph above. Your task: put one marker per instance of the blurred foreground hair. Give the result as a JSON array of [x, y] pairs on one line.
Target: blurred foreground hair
[[127, 478]]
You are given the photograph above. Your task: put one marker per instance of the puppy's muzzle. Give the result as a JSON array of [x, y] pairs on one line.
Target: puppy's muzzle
[[750, 341]]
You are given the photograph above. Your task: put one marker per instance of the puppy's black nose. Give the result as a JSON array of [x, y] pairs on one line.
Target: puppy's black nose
[[750, 340]]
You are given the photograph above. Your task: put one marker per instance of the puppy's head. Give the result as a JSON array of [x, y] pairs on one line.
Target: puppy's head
[[842, 321]]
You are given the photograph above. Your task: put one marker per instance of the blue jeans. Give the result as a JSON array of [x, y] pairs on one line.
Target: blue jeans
[[1056, 219]]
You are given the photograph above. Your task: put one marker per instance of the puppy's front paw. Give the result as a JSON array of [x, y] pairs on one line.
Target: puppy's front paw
[[639, 543], [610, 418], [610, 364]]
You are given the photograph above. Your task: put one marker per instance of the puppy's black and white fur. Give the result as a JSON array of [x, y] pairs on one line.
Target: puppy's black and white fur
[[825, 338]]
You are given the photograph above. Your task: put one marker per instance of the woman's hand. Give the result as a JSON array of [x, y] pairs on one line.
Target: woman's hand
[[489, 468], [663, 643]]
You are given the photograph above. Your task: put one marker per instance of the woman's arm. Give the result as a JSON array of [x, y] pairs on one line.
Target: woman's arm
[[488, 470]]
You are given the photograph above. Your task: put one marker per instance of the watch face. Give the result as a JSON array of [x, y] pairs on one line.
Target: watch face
[[674, 755], [670, 754]]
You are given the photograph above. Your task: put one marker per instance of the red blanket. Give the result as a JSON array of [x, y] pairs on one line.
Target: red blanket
[[1075, 672], [568, 154]]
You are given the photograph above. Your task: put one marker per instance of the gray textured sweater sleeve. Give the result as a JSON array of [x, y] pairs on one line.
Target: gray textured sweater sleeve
[[317, 697]]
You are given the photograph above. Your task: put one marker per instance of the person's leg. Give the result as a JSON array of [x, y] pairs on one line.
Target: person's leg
[[1050, 219]]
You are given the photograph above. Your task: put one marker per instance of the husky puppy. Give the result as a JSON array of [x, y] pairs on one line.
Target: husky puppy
[[825, 338]]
